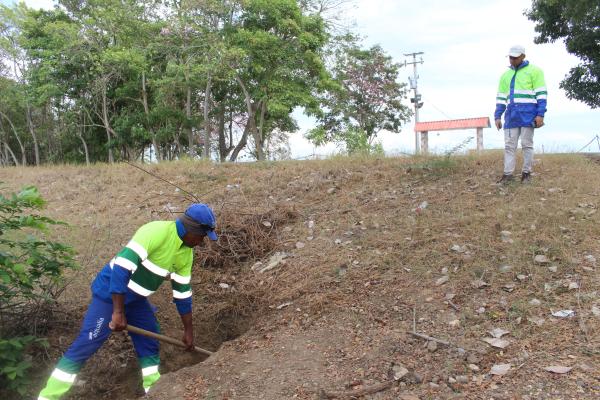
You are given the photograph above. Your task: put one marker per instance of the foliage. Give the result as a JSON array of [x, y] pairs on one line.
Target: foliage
[[30, 277], [364, 98], [577, 22], [97, 80], [14, 362]]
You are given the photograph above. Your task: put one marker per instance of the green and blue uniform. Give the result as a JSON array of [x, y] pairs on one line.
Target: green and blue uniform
[[522, 94], [156, 252]]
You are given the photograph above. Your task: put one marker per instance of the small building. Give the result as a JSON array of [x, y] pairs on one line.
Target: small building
[[453, 124]]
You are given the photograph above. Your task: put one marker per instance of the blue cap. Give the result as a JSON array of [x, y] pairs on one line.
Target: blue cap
[[202, 214]]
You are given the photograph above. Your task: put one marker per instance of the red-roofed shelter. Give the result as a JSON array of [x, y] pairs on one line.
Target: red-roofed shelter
[[468, 123]]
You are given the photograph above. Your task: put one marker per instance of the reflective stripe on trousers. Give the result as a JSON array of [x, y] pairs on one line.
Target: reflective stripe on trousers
[[94, 332]]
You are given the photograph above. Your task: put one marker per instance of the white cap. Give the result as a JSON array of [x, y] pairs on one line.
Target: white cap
[[516, 51]]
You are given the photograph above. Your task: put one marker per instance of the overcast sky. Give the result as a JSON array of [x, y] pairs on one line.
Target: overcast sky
[[465, 44]]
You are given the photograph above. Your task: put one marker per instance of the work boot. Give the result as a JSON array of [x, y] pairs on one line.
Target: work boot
[[506, 179], [526, 177]]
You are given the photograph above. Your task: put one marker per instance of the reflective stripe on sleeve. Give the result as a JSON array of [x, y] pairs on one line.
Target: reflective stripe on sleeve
[[525, 100], [125, 263], [184, 280], [139, 289], [138, 248]]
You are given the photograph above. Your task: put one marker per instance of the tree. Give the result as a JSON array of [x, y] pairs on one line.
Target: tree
[[364, 99], [276, 61], [577, 22]]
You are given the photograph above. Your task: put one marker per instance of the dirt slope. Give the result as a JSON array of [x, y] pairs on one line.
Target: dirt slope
[[362, 266]]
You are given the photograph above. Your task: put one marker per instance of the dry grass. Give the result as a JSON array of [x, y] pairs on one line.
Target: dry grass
[[369, 260]]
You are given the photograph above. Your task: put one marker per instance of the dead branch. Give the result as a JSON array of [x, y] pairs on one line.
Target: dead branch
[[355, 394], [429, 338]]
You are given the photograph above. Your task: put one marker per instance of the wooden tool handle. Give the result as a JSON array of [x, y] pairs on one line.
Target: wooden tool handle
[[164, 338]]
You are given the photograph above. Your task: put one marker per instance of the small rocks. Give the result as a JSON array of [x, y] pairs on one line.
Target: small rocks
[[497, 342], [331, 190], [399, 371], [509, 287], [596, 311], [472, 358], [458, 248], [506, 237], [462, 379], [473, 367], [557, 369], [553, 268], [500, 369], [442, 280], [590, 259], [498, 332], [454, 323], [479, 283], [522, 277], [573, 285], [505, 268], [538, 321], [535, 302], [300, 245], [541, 259], [432, 346]]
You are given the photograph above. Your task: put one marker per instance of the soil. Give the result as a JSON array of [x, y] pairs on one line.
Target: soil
[[363, 260]]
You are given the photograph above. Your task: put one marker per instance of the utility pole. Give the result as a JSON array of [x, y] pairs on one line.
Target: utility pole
[[417, 97]]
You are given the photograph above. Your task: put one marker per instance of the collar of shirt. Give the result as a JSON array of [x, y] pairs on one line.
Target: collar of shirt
[[522, 65], [180, 230]]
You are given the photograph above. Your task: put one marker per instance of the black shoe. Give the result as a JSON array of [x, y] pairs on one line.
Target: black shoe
[[506, 179], [526, 177]]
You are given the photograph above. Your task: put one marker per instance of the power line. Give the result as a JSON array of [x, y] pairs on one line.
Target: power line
[[434, 106], [596, 138]]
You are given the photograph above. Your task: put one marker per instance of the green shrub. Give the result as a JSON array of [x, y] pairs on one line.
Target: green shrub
[[31, 268]]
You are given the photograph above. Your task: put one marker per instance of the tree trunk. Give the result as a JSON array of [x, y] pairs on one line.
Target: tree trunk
[[207, 129], [251, 124], [85, 147], [147, 112], [224, 147], [9, 150], [241, 144], [177, 151], [109, 131], [188, 115], [23, 155], [260, 131], [36, 148]]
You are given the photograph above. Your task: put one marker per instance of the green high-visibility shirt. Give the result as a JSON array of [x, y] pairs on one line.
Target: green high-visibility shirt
[[154, 253]]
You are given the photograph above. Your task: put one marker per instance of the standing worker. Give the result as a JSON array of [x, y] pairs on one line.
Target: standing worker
[[158, 250], [522, 94]]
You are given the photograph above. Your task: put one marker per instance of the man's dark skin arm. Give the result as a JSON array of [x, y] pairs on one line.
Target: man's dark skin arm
[[119, 322], [188, 331]]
